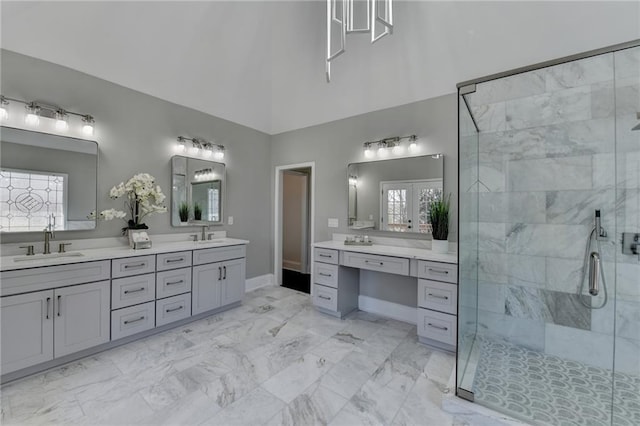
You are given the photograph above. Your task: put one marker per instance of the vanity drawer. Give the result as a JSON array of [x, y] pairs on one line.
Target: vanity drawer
[[325, 255], [173, 309], [133, 266], [171, 283], [132, 290], [447, 272], [438, 296], [177, 260], [325, 297], [218, 254], [388, 264], [437, 326], [325, 274], [48, 277], [132, 320]]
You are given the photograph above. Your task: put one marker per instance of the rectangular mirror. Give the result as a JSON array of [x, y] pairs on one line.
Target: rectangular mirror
[[394, 195], [197, 194], [44, 179]]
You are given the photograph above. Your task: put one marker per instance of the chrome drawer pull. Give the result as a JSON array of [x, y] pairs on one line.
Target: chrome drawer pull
[[134, 291], [135, 320], [174, 309], [48, 306], [379, 263], [324, 255], [438, 296], [181, 259], [324, 297], [438, 271], [59, 304], [323, 274], [139, 265], [437, 327], [175, 282]]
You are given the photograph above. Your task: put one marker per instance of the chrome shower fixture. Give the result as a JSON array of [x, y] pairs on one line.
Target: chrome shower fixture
[[637, 126]]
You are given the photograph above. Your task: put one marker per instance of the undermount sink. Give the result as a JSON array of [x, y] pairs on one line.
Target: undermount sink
[[47, 256], [218, 241]]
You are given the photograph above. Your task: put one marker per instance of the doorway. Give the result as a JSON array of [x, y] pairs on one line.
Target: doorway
[[294, 214]]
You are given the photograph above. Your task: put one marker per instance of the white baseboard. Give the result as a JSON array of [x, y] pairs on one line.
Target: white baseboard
[[265, 280], [291, 265], [388, 309]]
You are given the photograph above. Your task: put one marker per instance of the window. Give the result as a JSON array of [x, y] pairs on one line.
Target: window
[[213, 199], [29, 198], [405, 205]]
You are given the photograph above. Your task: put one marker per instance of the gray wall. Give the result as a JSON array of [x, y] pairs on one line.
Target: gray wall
[[336, 144], [135, 133]]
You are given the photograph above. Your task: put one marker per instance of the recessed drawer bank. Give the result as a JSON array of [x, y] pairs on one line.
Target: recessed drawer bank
[[109, 303], [337, 280]]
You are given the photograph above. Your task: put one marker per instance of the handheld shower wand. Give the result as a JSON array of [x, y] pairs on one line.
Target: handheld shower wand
[[601, 234], [593, 266]]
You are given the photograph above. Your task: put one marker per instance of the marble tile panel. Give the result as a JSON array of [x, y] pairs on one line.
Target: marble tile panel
[[547, 240], [317, 323], [627, 170], [347, 376], [602, 320], [165, 392], [511, 87], [579, 345], [549, 108], [521, 331], [579, 73], [626, 356], [603, 100], [628, 210], [627, 140], [257, 407], [526, 270], [293, 380], [526, 207], [195, 408], [577, 207], [628, 319], [548, 306], [491, 237], [491, 176], [491, 297], [493, 267], [627, 96], [490, 117], [627, 63], [334, 349], [492, 207], [423, 406], [131, 409], [317, 405], [628, 281], [563, 274], [603, 177], [549, 174], [439, 367]]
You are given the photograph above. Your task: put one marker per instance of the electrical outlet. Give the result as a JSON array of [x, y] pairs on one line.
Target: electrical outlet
[[230, 220], [333, 222]]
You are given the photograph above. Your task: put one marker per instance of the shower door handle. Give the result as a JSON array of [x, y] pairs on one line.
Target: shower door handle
[[594, 273]]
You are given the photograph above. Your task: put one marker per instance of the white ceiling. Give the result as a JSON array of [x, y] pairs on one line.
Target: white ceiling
[[261, 64]]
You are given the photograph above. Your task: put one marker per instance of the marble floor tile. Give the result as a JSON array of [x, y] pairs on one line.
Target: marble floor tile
[[293, 380], [422, 406], [315, 406], [254, 408]]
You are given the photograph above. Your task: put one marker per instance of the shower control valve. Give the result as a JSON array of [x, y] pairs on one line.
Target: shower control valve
[[631, 243]]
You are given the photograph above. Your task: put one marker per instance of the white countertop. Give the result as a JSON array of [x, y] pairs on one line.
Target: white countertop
[[8, 263], [386, 250]]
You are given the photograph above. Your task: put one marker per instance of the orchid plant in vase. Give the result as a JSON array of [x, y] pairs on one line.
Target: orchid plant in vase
[[142, 198]]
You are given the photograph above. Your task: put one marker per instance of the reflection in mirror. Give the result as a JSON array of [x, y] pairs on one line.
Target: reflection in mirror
[[197, 188], [394, 195], [46, 179]]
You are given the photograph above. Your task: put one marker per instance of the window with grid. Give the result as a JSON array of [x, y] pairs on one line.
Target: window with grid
[[213, 199], [397, 209]]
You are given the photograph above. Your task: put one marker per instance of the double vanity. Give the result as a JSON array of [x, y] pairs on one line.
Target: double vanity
[[56, 309], [336, 283]]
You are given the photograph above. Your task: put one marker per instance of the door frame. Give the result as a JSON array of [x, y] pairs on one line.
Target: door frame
[[277, 214]]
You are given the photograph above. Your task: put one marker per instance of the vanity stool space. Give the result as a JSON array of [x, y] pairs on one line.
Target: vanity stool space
[[55, 314], [336, 284]]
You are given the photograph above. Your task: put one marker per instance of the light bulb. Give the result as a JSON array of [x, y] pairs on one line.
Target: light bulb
[[219, 155], [180, 146], [3, 113], [194, 149], [368, 153], [32, 119], [413, 144], [383, 151], [61, 121], [87, 127], [398, 149], [207, 152]]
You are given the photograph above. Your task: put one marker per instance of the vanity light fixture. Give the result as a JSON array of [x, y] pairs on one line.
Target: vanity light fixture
[[32, 115], [35, 110], [4, 114], [343, 17], [390, 144], [200, 147], [353, 180]]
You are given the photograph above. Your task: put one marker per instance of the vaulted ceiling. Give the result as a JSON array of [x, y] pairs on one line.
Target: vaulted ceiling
[[261, 64]]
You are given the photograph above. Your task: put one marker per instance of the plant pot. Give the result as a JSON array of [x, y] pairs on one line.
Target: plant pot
[[440, 246]]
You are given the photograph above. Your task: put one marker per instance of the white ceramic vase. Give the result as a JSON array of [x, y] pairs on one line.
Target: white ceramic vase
[[440, 246]]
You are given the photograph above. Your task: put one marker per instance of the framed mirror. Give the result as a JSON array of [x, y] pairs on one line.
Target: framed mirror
[[45, 179], [394, 195], [197, 191]]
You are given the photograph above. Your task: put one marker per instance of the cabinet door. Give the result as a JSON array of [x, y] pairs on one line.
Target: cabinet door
[[205, 284], [26, 329], [233, 273], [81, 317]]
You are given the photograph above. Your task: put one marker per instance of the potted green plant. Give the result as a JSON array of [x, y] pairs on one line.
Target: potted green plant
[[183, 212], [197, 211], [439, 218]]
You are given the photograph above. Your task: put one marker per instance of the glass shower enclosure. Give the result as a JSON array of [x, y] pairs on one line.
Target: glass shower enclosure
[[549, 181]]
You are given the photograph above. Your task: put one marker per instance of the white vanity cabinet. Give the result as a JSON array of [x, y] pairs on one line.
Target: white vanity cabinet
[[437, 304], [335, 287], [218, 278], [78, 317], [173, 287]]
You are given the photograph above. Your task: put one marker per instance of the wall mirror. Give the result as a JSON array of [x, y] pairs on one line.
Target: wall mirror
[[394, 195], [46, 179], [197, 193]]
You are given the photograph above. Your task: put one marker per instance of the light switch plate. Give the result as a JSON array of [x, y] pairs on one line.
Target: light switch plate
[[333, 222], [230, 220]]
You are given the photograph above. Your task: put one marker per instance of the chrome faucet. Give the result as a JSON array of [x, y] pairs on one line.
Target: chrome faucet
[[48, 233], [204, 232]]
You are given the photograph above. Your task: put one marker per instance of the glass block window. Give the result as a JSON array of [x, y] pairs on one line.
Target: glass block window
[[29, 198]]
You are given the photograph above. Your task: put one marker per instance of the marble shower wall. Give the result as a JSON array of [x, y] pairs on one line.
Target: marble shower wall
[[546, 160]]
